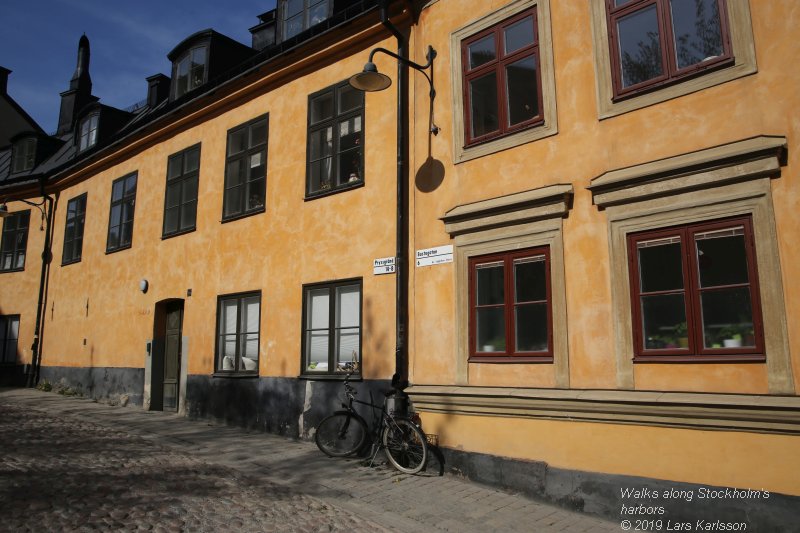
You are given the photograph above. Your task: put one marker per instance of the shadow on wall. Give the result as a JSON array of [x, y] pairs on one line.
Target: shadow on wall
[[430, 175]]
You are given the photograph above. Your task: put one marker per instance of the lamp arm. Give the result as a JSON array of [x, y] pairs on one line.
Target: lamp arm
[[416, 66]]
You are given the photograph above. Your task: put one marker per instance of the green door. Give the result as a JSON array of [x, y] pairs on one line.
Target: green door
[[172, 355]]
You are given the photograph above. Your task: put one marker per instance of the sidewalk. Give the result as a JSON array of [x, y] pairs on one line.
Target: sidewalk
[[285, 485]]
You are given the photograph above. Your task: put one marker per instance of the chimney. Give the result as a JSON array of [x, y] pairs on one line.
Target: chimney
[[4, 72], [157, 89], [80, 89]]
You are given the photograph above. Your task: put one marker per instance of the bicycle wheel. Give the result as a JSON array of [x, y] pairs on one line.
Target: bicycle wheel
[[341, 434], [405, 445]]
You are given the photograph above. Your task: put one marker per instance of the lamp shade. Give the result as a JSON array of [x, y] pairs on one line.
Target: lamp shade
[[370, 79]]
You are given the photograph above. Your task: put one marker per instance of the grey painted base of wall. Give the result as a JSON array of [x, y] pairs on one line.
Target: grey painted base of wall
[[100, 382], [285, 406], [601, 494]]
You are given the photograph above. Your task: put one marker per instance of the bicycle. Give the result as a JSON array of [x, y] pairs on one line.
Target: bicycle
[[344, 433]]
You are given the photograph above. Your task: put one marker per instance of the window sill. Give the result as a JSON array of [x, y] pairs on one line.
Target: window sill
[[746, 358], [235, 375], [330, 377], [505, 359], [121, 248], [330, 192], [71, 262], [12, 270], [178, 233], [243, 215]]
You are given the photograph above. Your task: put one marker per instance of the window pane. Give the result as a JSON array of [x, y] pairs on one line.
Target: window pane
[[483, 103], [256, 164], [660, 265], [249, 352], [639, 47], [322, 107], [317, 350], [233, 173], [116, 213], [697, 31], [130, 185], [237, 141], [250, 314], [661, 316], [349, 99], [294, 26], [255, 194], [319, 309], [173, 194], [258, 133], [521, 84], [489, 284], [350, 167], [293, 7], [321, 175], [490, 330], [519, 35], [171, 220], [481, 52], [321, 143], [530, 279], [722, 257], [188, 215], [126, 234], [348, 304], [349, 134], [113, 237], [727, 318], [317, 14], [174, 167], [347, 349], [20, 259], [228, 321], [116, 191], [233, 201], [189, 190], [192, 158], [531, 328]]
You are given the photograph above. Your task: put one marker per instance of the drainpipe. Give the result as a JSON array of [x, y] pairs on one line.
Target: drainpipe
[[36, 357], [400, 377]]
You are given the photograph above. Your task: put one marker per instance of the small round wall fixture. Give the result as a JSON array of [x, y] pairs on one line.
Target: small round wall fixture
[[144, 285]]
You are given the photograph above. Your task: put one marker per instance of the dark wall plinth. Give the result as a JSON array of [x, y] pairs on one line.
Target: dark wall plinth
[[99, 382]]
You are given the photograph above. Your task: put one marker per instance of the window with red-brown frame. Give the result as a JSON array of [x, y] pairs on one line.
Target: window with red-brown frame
[[511, 307], [658, 42], [502, 79], [695, 293]]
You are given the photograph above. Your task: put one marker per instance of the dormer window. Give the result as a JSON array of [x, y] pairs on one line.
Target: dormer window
[[190, 70], [23, 155], [88, 132], [299, 15]]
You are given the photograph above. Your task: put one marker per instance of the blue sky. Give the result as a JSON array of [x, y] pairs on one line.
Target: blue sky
[[129, 42]]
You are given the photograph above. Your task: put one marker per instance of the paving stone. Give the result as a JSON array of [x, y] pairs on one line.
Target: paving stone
[[72, 464]]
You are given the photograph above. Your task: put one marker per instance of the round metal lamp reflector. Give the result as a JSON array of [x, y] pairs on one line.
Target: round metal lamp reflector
[[370, 79]]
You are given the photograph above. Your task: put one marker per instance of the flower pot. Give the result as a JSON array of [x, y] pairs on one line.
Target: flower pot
[[732, 343]]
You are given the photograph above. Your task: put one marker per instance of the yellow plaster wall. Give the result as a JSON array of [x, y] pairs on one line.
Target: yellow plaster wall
[[19, 291], [294, 242], [723, 458], [584, 148]]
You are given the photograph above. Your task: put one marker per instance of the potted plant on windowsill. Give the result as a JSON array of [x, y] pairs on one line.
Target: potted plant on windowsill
[[682, 335], [731, 336]]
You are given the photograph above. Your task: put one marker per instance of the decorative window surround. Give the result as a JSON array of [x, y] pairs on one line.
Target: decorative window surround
[[742, 46], [548, 86], [723, 181], [727, 412], [517, 221]]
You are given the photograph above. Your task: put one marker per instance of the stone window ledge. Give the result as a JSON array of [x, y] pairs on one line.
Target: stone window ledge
[[727, 412]]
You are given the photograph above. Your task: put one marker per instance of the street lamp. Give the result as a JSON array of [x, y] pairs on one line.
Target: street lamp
[[371, 80]]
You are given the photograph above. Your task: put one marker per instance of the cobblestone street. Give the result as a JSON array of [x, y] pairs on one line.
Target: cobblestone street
[[72, 464]]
